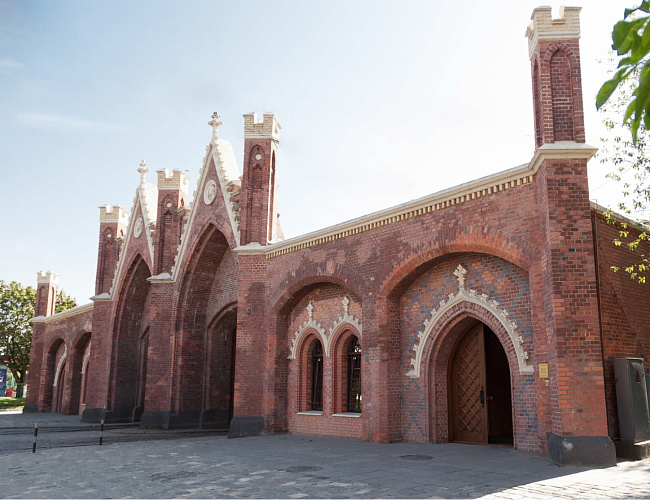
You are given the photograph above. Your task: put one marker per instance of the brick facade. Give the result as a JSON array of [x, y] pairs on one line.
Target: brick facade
[[205, 317]]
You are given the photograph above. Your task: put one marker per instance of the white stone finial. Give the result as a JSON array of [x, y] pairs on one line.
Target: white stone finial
[[310, 310], [460, 273], [143, 171], [215, 123], [346, 305]]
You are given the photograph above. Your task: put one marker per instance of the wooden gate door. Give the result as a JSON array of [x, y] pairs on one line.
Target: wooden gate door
[[468, 412]]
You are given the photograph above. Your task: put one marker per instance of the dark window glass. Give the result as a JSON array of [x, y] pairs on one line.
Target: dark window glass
[[354, 376], [317, 377]]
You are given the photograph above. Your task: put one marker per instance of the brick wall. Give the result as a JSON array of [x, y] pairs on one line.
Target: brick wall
[[69, 335], [624, 311], [328, 312]]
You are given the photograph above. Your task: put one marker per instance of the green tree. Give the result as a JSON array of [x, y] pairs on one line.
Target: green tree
[[625, 101], [64, 302], [631, 41], [16, 311]]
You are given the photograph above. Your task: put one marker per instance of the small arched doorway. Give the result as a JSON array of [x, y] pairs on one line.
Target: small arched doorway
[[480, 400]]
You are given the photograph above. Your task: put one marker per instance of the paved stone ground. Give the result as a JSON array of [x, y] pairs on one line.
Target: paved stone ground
[[131, 465]]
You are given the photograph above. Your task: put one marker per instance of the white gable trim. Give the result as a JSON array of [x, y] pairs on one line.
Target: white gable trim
[[197, 198]]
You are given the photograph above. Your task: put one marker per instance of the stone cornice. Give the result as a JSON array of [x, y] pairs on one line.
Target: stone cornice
[[64, 314], [161, 278], [564, 150], [501, 181], [495, 183], [101, 297]]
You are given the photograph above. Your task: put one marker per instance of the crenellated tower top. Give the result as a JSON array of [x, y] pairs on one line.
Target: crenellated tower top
[[47, 277], [265, 129], [544, 27], [113, 213], [174, 180]]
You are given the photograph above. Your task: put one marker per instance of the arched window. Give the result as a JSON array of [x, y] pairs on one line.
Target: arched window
[[317, 377], [354, 375]]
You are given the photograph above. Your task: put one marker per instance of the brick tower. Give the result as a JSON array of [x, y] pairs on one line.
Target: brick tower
[[572, 405], [112, 227], [45, 305], [258, 227], [172, 194], [259, 185]]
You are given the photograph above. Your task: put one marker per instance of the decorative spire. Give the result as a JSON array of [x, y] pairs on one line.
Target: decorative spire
[[143, 171], [460, 273], [310, 311], [215, 123]]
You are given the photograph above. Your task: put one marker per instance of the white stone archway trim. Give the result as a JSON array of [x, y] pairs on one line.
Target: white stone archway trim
[[482, 300], [346, 319], [84, 363], [310, 324], [326, 339], [60, 365]]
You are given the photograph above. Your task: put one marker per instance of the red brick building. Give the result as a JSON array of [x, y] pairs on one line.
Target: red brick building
[[484, 313]]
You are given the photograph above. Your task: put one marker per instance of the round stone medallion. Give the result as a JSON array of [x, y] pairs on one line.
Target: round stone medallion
[[210, 192], [137, 229]]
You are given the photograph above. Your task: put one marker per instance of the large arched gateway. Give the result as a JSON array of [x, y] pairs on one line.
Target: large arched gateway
[[483, 313]]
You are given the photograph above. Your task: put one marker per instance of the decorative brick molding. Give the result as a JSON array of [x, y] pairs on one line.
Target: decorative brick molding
[[482, 300], [64, 314], [497, 183]]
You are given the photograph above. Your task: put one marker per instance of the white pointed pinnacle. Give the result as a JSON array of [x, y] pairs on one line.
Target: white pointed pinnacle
[[215, 123], [143, 171]]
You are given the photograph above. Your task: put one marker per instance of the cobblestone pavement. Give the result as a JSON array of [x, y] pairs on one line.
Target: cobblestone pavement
[[288, 466]]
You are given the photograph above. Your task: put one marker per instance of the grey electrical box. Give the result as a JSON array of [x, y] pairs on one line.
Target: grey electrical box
[[632, 400], [647, 388]]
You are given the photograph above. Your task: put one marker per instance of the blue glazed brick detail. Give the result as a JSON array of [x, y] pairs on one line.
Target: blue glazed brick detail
[[485, 274]]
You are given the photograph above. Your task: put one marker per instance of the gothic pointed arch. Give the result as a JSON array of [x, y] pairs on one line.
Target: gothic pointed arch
[[131, 320], [205, 326]]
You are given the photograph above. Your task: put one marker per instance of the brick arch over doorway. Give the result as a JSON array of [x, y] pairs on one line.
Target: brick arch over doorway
[[453, 240], [501, 281]]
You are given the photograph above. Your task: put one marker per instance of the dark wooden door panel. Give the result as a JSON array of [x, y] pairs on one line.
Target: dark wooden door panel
[[468, 402]]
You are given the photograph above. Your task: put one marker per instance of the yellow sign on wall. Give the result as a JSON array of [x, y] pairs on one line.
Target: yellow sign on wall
[[542, 369]]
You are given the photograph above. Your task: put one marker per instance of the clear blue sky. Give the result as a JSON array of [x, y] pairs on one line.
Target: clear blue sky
[[380, 102]]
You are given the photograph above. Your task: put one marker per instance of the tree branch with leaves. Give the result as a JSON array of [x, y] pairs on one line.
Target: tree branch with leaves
[[625, 102]]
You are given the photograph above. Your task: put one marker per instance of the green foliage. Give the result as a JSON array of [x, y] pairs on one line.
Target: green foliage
[[64, 302], [625, 100], [16, 310], [11, 403], [631, 41], [631, 167]]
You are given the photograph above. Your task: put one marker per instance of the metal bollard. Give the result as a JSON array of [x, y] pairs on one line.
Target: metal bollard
[[101, 428], [35, 434]]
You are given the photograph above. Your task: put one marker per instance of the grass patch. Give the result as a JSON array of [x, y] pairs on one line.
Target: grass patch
[[11, 403]]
